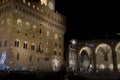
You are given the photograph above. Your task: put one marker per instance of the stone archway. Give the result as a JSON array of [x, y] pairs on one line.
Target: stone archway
[[117, 50], [85, 58], [103, 56]]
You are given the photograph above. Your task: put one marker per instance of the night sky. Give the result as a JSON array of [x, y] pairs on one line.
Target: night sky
[[90, 20]]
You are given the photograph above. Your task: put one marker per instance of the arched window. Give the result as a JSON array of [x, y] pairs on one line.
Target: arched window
[[16, 43], [33, 46], [25, 45]]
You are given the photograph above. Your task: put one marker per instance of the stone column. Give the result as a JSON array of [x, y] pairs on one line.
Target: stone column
[[114, 61], [94, 61]]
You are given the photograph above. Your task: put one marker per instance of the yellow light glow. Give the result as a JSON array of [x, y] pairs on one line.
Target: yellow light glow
[[44, 2]]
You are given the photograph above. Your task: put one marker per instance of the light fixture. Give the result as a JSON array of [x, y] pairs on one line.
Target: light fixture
[[73, 41]]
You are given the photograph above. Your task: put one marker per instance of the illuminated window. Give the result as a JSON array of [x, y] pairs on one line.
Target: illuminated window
[[41, 10], [56, 36], [19, 21], [47, 33], [111, 66], [25, 45], [118, 66], [16, 43], [102, 66], [44, 2], [28, 3], [34, 26], [27, 23], [33, 6], [23, 1], [37, 8]]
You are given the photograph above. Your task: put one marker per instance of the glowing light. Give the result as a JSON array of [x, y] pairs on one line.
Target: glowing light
[[86, 63], [111, 66], [44, 2], [55, 63], [118, 66], [73, 41], [102, 66]]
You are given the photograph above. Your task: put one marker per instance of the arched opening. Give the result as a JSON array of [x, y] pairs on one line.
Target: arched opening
[[104, 56], [117, 50], [85, 59]]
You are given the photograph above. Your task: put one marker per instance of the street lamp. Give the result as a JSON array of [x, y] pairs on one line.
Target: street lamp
[[73, 41]]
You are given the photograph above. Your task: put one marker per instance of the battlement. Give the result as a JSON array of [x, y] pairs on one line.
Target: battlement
[[40, 8]]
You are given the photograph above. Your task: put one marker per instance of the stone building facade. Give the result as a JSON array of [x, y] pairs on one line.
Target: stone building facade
[[101, 55], [31, 35]]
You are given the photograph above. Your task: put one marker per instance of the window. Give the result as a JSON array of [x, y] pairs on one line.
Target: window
[[23, 1], [0, 43], [19, 21], [60, 46], [60, 38], [55, 52], [56, 36], [18, 32], [59, 53], [26, 34], [40, 31], [33, 47], [25, 45], [33, 36], [47, 33], [28, 3], [46, 59], [55, 44], [39, 47], [44, 2], [16, 43], [5, 43], [33, 6], [38, 60], [30, 59], [18, 56]]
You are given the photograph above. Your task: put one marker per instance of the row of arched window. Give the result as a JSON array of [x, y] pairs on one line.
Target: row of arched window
[[25, 44]]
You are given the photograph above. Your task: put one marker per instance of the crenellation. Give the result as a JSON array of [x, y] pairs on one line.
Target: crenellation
[[43, 8]]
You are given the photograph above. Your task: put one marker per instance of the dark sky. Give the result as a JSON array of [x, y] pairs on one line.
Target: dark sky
[[90, 20]]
